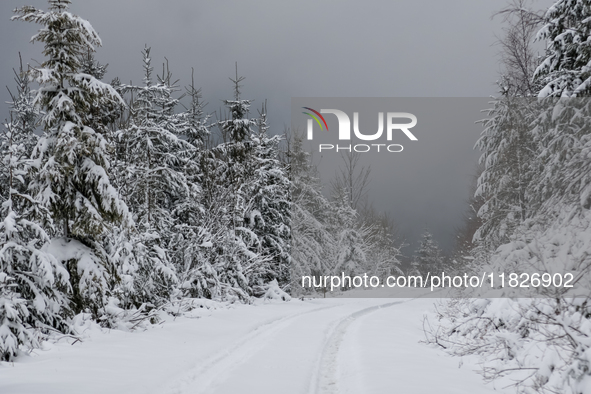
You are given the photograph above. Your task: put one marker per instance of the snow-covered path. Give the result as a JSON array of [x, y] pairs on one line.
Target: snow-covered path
[[313, 346]]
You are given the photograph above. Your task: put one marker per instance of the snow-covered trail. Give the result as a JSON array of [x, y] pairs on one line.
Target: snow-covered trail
[[314, 347]]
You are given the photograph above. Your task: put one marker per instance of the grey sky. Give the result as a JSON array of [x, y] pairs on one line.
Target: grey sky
[[374, 48]]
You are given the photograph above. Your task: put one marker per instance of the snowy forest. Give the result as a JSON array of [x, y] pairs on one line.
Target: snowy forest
[[115, 201], [121, 201], [531, 206]]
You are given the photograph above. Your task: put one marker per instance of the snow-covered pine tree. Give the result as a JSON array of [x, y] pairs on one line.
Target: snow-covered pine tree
[[33, 284], [72, 160], [197, 122], [565, 69], [509, 152], [509, 163], [564, 130], [428, 257], [239, 262], [152, 158], [195, 226], [268, 208], [203, 277], [312, 243]]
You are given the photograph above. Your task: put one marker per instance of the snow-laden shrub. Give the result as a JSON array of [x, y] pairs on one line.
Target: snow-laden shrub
[[543, 344], [113, 316], [274, 292]]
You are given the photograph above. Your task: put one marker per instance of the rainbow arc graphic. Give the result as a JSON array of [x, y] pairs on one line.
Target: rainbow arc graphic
[[316, 118]]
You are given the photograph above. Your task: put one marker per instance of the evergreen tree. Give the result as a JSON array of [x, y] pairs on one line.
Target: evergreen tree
[[196, 121], [152, 160], [509, 163], [33, 283], [241, 265], [194, 225], [313, 244], [72, 159], [268, 209], [510, 153], [562, 184], [565, 71], [428, 258], [563, 128]]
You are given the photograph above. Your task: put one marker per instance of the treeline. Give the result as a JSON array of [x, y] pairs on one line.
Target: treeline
[[533, 198], [119, 200]]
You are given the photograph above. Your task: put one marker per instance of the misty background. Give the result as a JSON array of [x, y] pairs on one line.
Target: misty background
[[311, 49]]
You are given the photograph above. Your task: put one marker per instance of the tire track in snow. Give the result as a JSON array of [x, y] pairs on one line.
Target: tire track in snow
[[213, 370], [325, 381]]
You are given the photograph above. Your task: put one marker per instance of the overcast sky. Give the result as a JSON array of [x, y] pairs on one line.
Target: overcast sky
[[372, 48]]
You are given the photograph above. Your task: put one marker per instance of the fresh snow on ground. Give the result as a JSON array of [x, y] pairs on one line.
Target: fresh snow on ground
[[333, 345]]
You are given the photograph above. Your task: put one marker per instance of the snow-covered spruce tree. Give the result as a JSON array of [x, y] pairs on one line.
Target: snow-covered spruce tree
[[204, 278], [71, 158], [312, 242], [196, 121], [565, 69], [509, 162], [33, 284], [195, 227], [14, 332], [151, 159], [564, 130], [21, 128], [428, 257], [509, 157], [268, 208], [499, 200], [236, 252]]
